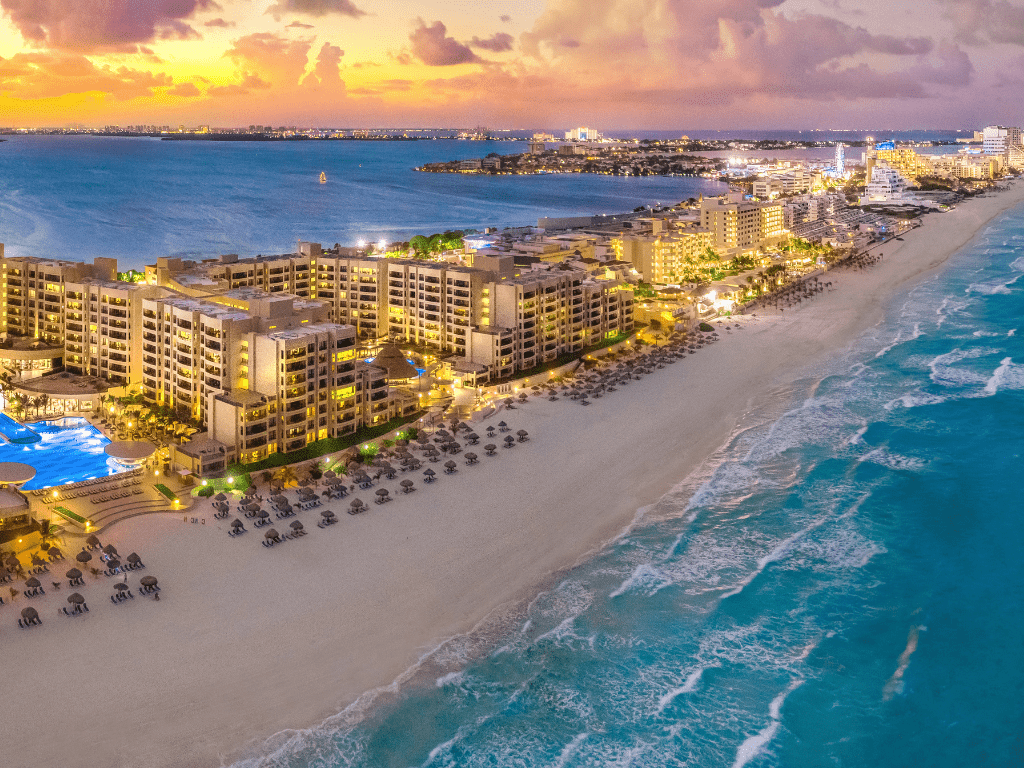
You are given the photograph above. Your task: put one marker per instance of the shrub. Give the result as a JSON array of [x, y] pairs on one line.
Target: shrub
[[705, 327], [205, 491]]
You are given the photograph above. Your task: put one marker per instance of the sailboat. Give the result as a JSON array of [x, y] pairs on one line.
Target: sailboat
[[323, 177]]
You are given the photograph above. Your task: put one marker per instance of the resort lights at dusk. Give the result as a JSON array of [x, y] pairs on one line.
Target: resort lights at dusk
[[632, 382]]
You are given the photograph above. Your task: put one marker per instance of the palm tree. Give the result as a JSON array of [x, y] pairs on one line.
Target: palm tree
[[286, 475], [44, 401]]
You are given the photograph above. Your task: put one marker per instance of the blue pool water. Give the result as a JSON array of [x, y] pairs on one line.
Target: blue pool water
[[843, 589], [16, 433], [68, 451]]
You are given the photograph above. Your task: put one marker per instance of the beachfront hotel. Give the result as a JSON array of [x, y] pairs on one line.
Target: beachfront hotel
[[269, 354]]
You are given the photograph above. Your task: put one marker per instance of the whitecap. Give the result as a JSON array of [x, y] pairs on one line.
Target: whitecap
[[753, 745], [779, 552], [1008, 375], [689, 686], [569, 750], [913, 400], [943, 371], [885, 458], [644, 575], [858, 438]]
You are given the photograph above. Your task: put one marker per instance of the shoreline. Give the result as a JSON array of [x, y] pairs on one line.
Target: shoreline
[[247, 643]]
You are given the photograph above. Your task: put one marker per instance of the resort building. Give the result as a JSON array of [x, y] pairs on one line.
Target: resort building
[[741, 227], [665, 259], [267, 354], [1000, 140]]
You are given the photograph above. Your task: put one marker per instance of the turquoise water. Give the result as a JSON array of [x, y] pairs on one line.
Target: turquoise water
[[68, 451], [77, 197], [843, 589], [16, 433]]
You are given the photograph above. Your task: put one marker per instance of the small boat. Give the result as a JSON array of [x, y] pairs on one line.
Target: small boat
[[323, 177]]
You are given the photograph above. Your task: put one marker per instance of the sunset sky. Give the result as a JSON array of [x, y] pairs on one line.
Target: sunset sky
[[613, 64]]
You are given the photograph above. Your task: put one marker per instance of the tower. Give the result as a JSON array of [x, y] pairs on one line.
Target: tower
[[840, 160]]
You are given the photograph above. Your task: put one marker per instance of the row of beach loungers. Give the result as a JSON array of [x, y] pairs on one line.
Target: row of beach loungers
[[85, 488]]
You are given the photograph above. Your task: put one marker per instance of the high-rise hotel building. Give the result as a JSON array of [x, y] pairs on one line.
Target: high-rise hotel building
[[262, 352]]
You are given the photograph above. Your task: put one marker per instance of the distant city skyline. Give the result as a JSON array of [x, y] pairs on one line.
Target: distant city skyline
[[612, 64]]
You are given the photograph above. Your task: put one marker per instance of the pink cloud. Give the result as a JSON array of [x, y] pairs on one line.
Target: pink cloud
[[92, 25], [250, 82], [433, 47], [316, 8], [219, 23], [327, 71], [496, 43]]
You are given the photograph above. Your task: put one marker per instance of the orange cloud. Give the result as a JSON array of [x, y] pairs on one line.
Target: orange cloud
[[48, 75]]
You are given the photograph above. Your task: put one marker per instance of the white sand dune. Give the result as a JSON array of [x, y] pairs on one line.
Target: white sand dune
[[247, 641]]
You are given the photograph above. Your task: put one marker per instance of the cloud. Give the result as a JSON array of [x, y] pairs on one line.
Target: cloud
[[186, 90], [316, 8], [327, 71], [977, 22], [53, 74], [496, 43], [98, 25], [276, 59], [218, 23], [433, 47], [505, 18], [299, 25], [250, 82], [727, 50]]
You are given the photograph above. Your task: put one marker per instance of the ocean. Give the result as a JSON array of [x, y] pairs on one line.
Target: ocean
[[840, 587], [78, 197]]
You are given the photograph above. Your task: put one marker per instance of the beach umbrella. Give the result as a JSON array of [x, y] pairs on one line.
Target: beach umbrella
[[279, 499], [429, 472], [295, 525], [522, 434], [330, 474], [326, 513], [382, 492], [473, 437], [30, 614], [73, 574], [113, 564], [83, 557], [406, 483], [36, 560], [357, 504], [490, 447], [92, 541], [236, 524], [305, 482], [220, 497], [250, 491], [134, 559], [76, 599], [272, 534], [502, 425], [510, 441], [471, 456], [110, 549], [450, 464], [252, 506], [263, 514], [32, 583], [121, 586], [443, 433], [148, 581]]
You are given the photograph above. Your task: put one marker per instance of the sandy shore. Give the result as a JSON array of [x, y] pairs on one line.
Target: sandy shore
[[246, 642]]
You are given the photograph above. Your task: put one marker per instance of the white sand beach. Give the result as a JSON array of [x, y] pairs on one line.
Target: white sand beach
[[247, 641]]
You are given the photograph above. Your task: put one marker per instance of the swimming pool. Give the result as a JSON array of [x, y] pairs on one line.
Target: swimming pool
[[69, 450], [16, 433]]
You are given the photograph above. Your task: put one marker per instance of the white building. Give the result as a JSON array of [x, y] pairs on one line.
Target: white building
[[999, 140], [582, 134], [886, 185]]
